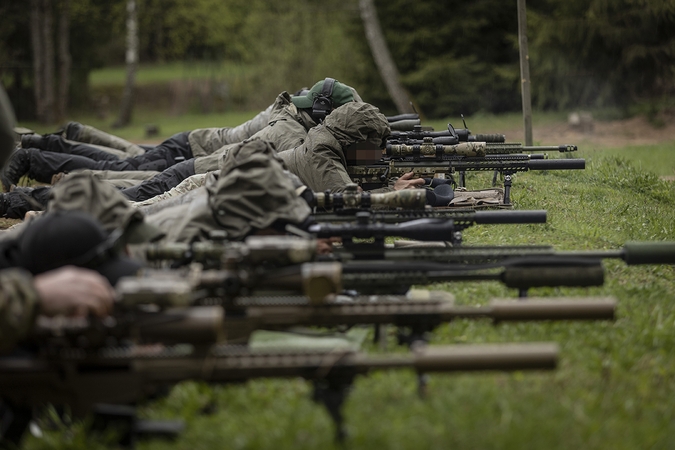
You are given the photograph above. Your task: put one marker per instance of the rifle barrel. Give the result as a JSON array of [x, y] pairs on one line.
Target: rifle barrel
[[557, 164], [506, 217], [312, 366], [474, 357], [371, 277], [632, 253]]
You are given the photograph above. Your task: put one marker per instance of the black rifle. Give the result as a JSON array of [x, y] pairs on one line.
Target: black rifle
[[430, 224], [404, 122]]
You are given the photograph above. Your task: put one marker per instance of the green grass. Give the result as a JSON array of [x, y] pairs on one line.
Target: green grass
[[657, 158], [167, 72], [613, 388], [168, 125]]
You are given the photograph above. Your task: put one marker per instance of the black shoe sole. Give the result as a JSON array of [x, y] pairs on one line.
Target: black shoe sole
[[6, 184]]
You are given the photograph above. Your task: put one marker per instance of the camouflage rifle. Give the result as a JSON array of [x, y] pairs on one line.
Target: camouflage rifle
[[451, 223], [427, 149], [435, 192], [403, 206], [351, 198], [377, 175]]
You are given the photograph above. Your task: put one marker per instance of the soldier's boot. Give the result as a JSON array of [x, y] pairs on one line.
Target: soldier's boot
[[34, 141], [4, 205], [17, 166], [90, 135], [72, 131], [15, 204]]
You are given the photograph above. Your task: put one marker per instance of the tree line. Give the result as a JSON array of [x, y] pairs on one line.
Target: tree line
[[452, 57]]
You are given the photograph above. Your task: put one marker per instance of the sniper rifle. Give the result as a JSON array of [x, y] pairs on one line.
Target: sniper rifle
[[378, 269], [83, 362], [377, 175], [90, 382]]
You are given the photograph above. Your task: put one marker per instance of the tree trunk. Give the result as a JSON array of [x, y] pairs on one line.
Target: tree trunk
[[65, 61], [524, 71], [38, 56], [42, 23], [132, 65], [48, 52], [382, 57]]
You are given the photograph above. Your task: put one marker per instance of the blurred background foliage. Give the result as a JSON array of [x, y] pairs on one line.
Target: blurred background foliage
[[453, 56]]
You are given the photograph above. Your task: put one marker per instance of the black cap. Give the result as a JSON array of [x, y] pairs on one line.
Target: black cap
[[62, 238]]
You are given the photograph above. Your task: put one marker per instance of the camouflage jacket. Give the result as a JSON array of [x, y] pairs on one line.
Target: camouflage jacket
[[320, 161], [18, 306], [252, 192], [287, 128], [205, 141]]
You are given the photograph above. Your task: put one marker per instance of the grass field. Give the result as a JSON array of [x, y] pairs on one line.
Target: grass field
[[159, 73], [614, 386]]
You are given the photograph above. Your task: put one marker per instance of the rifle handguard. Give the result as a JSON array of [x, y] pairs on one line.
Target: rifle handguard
[[469, 149], [552, 276], [351, 198]]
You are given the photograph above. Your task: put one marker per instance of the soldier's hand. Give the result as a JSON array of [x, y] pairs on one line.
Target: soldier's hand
[[325, 246], [406, 181], [74, 291]]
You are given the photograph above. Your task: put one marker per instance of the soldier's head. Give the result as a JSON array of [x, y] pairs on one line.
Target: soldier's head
[[324, 97], [254, 194], [73, 238]]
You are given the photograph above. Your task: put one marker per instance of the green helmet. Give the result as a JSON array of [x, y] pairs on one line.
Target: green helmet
[[324, 96]]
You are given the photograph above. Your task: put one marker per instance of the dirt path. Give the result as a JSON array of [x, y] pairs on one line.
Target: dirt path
[[633, 131]]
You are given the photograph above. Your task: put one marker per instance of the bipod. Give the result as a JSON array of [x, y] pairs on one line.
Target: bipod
[[331, 393], [122, 419]]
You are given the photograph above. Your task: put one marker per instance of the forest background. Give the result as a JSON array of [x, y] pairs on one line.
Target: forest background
[[201, 56]]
